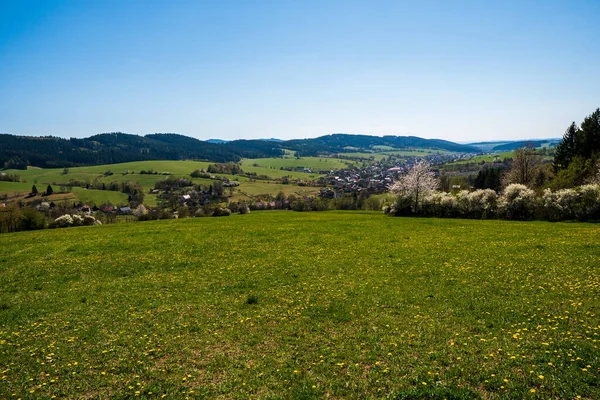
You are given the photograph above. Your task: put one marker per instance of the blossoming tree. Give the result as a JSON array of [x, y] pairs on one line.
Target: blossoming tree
[[418, 181]]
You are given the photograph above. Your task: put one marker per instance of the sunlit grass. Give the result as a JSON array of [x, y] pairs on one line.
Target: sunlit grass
[[293, 305]]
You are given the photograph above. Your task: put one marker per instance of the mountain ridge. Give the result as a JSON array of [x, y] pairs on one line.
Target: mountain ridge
[[115, 147]]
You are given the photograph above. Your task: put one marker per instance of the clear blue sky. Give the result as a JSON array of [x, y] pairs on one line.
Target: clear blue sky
[[458, 70]]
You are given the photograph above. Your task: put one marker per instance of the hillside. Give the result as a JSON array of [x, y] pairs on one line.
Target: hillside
[[339, 143], [109, 148], [302, 305]]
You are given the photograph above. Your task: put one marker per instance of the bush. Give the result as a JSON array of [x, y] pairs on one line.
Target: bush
[[140, 211], [402, 205], [244, 209], [483, 203], [89, 220], [589, 203], [77, 220], [32, 220], [517, 202], [63, 221], [221, 212]]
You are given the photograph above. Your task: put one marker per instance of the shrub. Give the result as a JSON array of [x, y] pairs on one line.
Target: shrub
[[483, 203], [63, 221], [89, 220], [300, 205], [221, 212], [568, 204], [517, 202], [140, 211], [589, 202], [77, 220], [402, 205], [244, 209], [32, 220]]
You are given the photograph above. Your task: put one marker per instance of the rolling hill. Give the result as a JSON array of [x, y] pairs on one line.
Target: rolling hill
[[110, 148]]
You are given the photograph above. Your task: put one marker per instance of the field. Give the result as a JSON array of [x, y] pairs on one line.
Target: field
[[270, 167], [313, 163], [302, 305]]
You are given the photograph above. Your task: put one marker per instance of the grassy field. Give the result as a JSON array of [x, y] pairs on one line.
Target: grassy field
[[486, 157], [314, 163], [270, 167], [289, 305], [385, 151]]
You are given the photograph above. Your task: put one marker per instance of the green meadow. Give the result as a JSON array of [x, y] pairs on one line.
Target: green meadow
[[248, 187], [313, 163], [284, 305]]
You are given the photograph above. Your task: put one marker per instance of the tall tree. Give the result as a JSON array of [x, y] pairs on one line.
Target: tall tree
[[567, 148], [49, 190], [523, 167], [581, 142], [419, 181], [34, 190], [590, 135]]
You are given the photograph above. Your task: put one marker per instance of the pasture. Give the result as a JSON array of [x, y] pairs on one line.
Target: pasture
[[302, 305], [123, 172]]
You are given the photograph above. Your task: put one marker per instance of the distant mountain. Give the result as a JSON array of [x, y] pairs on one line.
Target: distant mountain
[[509, 145], [272, 140], [526, 143], [118, 147], [337, 143]]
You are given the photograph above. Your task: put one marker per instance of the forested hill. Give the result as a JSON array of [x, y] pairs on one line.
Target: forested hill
[[109, 148], [340, 142]]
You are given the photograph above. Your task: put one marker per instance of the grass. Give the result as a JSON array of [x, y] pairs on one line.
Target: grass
[[314, 163], [42, 177], [386, 151], [486, 157], [289, 305]]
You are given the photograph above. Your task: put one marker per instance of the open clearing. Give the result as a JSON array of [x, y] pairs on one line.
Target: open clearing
[[302, 305]]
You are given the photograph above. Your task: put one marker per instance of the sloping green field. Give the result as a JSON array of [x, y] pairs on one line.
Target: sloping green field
[[42, 177], [302, 305]]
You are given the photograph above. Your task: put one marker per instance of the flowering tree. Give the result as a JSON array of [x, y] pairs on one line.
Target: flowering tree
[[420, 180]]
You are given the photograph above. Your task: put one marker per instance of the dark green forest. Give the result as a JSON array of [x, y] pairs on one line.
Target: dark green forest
[[17, 152]]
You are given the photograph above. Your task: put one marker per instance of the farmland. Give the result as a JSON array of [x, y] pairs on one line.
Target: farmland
[[123, 172], [302, 305]]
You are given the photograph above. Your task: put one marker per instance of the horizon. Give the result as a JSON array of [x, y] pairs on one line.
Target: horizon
[[279, 139], [462, 72]]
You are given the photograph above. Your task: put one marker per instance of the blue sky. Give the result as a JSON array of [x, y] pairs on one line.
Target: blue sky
[[457, 70]]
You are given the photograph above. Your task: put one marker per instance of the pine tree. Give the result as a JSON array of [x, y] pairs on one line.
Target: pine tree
[[565, 151]]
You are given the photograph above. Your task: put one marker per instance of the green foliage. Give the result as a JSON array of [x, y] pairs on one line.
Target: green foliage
[[489, 178], [579, 142], [32, 220], [228, 168]]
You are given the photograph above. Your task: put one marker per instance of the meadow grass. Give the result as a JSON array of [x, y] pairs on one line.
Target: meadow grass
[[314, 163], [302, 305], [42, 177]]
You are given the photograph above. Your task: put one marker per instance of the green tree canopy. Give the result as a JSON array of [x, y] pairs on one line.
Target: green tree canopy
[[577, 141]]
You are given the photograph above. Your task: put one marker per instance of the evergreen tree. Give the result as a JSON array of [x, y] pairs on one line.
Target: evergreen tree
[[34, 190], [581, 142], [49, 190], [566, 149]]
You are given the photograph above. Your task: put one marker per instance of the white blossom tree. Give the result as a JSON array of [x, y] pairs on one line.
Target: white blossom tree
[[140, 211], [419, 181]]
